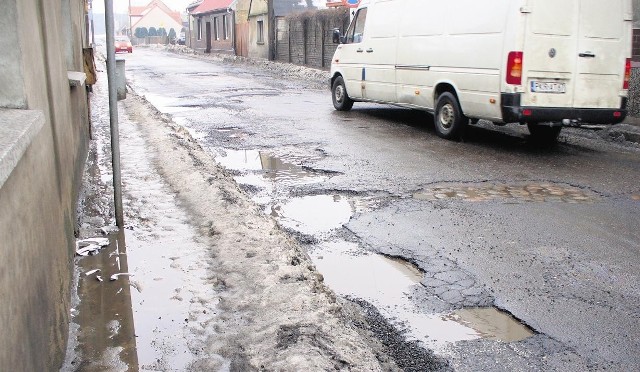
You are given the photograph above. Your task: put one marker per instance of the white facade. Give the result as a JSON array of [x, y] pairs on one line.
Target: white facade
[[157, 18]]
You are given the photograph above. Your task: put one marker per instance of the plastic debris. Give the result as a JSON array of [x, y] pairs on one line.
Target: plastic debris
[[99, 278], [91, 272], [91, 246], [115, 276], [106, 230], [98, 241], [88, 250]]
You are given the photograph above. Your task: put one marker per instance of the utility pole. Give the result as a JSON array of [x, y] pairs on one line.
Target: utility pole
[[113, 112]]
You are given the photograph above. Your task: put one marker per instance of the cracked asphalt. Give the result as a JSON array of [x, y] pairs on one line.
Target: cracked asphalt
[[550, 235]]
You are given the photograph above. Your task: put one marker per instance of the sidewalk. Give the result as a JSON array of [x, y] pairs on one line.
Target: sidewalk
[[208, 281]]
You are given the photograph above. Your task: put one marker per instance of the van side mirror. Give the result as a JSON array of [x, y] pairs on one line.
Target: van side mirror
[[337, 38]]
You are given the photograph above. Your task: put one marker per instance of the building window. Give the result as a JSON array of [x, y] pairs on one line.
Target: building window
[[199, 28], [216, 35], [260, 32], [225, 25]]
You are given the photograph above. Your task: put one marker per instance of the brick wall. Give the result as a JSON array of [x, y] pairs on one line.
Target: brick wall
[[636, 45], [633, 104], [306, 39]]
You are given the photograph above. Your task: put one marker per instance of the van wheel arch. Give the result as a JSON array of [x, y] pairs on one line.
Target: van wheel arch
[[442, 88]]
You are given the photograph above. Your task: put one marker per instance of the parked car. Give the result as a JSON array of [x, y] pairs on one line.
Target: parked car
[[182, 39], [123, 44]]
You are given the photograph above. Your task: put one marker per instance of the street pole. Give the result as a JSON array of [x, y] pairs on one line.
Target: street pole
[[113, 111]]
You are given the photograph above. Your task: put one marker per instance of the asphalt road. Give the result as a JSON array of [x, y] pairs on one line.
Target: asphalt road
[[549, 235]]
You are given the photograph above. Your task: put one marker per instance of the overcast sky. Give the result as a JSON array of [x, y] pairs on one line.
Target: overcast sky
[[120, 6]]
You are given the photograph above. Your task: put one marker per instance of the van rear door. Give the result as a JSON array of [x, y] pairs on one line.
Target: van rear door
[[602, 51], [575, 53]]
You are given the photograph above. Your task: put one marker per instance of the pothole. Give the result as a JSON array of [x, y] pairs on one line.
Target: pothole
[[493, 324], [542, 192], [311, 215], [168, 105], [387, 284], [271, 168], [233, 132]]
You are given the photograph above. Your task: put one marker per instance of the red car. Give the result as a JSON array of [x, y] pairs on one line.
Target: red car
[[123, 44]]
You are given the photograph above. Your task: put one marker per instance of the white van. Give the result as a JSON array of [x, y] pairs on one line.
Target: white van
[[546, 63]]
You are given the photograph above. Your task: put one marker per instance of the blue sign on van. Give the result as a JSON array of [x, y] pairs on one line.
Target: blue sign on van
[[351, 3]]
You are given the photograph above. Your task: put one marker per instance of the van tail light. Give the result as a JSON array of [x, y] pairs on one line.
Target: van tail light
[[627, 74], [514, 68]]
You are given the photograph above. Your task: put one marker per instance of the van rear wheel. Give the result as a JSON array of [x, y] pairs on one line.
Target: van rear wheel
[[544, 134], [341, 100], [449, 120]]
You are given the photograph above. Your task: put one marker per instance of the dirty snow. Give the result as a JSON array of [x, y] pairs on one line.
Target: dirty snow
[[275, 311]]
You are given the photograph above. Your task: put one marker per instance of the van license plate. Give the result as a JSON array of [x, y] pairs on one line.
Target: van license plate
[[545, 87]]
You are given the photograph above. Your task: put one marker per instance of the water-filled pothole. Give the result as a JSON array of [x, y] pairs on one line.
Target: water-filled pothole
[[492, 324], [542, 192], [272, 168], [169, 105], [387, 284], [313, 214]]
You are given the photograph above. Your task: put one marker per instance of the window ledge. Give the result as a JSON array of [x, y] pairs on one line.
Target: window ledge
[[76, 79], [18, 128]]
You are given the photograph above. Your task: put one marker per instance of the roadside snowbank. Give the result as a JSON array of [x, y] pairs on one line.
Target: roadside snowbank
[[276, 312]]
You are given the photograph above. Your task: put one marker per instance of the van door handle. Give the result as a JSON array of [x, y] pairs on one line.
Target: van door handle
[[359, 50], [369, 50], [587, 55]]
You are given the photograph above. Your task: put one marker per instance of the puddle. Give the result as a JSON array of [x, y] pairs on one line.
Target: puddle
[[386, 284], [155, 318], [107, 334], [545, 192], [263, 170], [493, 324], [168, 105], [136, 320], [313, 214]]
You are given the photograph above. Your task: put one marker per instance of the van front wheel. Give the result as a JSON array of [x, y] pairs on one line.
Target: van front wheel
[[341, 100], [449, 120]]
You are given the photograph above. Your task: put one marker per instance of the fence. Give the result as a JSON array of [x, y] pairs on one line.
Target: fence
[[306, 38], [150, 40]]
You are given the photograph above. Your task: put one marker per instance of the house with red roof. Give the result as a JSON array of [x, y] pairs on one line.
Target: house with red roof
[[212, 26], [155, 14]]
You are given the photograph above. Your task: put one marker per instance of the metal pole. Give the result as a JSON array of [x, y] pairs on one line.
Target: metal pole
[[113, 111]]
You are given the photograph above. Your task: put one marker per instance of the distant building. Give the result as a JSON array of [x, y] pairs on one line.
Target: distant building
[[155, 14], [212, 26], [266, 18]]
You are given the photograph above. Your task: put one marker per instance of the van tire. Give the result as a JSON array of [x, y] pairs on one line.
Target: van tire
[[448, 117], [543, 134], [341, 100]]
